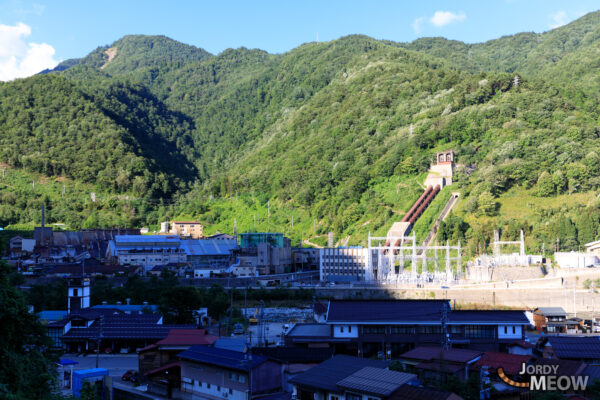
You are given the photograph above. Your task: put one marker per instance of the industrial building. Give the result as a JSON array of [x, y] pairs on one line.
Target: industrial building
[[214, 254], [345, 264], [147, 251], [267, 252]]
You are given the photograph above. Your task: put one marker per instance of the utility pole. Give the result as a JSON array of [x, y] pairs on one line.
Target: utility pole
[[99, 340]]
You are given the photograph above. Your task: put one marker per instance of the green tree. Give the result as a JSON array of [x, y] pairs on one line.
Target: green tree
[[27, 369], [545, 185], [487, 204]]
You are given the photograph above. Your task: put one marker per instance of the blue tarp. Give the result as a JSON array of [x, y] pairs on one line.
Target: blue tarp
[[91, 375], [66, 361]]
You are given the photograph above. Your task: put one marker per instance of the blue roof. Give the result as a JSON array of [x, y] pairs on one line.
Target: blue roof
[[208, 247], [221, 357], [231, 344], [147, 239], [66, 361], [88, 373], [52, 315]]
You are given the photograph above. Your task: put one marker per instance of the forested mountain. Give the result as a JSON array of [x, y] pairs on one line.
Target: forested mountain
[[334, 135]]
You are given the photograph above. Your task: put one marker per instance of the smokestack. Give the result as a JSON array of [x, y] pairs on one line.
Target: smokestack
[[43, 220]]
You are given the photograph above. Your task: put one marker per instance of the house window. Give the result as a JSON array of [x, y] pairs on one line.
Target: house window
[[334, 397], [230, 391], [349, 328], [403, 330], [218, 388], [242, 379], [506, 330], [74, 292], [430, 330], [374, 329], [514, 330], [478, 331], [207, 385], [352, 396], [342, 329]]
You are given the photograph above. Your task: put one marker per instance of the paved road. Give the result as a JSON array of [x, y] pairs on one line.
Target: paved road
[[116, 364]]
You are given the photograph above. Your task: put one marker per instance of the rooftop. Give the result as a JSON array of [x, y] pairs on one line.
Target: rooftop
[[510, 363], [575, 347], [208, 247], [310, 330], [187, 337], [326, 375], [146, 239], [436, 353], [408, 392], [220, 357], [376, 381], [551, 311], [299, 355], [385, 310]]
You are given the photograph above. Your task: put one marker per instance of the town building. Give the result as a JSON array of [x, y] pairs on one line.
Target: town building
[[268, 252], [321, 382], [187, 229], [146, 251], [306, 258], [214, 373], [435, 364], [345, 264], [210, 254], [550, 319], [585, 348], [159, 362], [391, 327]]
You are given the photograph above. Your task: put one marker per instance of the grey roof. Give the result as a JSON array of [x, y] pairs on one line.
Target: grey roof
[[223, 358], [383, 311], [552, 311], [485, 317], [576, 347], [310, 330], [208, 247], [326, 375], [376, 381], [231, 344]]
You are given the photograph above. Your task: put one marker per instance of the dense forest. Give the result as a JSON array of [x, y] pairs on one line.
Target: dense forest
[[332, 136]]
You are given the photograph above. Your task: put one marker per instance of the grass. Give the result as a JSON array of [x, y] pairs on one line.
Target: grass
[[426, 220]]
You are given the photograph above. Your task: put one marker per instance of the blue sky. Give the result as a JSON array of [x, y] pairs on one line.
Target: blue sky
[[36, 34]]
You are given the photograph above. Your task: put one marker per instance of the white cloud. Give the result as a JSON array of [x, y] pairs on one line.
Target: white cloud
[[417, 24], [559, 18], [19, 58], [442, 18]]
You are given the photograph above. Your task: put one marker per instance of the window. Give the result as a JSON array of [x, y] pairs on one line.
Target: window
[[230, 391], [342, 329], [332, 397], [514, 330], [430, 330], [477, 331], [352, 396], [218, 388], [403, 330], [374, 329], [207, 385], [506, 330], [349, 328], [242, 379], [75, 292]]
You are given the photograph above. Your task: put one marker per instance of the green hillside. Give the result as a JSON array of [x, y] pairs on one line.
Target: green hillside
[[336, 135]]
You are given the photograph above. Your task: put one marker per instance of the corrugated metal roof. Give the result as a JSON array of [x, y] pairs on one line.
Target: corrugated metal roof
[[551, 311], [221, 357], [208, 247], [231, 344], [146, 239], [376, 381]]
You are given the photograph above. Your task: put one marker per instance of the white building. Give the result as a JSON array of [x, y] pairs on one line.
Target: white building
[[575, 260], [147, 251], [344, 264]]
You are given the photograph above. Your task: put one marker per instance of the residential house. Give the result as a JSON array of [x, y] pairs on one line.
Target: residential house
[[550, 319], [321, 382], [187, 229], [410, 392], [294, 360], [434, 364], [214, 373], [585, 348], [389, 328]]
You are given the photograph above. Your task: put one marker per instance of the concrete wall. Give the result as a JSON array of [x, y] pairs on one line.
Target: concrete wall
[[487, 274]]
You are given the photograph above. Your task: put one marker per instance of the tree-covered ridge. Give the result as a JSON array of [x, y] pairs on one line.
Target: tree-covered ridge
[[329, 136]]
